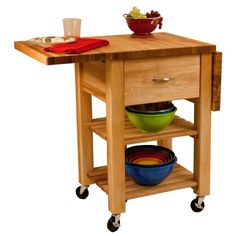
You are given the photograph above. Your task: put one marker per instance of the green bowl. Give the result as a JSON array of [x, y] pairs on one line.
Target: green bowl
[[151, 122]]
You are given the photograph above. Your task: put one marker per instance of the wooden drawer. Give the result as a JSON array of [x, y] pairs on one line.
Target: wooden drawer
[[161, 79]]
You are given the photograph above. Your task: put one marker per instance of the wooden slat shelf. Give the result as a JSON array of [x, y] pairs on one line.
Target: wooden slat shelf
[[179, 127], [179, 178]]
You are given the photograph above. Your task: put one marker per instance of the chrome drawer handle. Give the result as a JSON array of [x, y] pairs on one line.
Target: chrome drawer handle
[[163, 79]]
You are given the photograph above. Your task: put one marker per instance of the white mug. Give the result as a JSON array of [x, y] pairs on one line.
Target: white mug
[[72, 26]]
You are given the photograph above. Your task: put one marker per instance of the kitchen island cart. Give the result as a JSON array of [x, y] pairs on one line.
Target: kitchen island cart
[[137, 70]]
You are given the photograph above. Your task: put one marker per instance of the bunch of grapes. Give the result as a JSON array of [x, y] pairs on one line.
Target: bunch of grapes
[[136, 14], [155, 14]]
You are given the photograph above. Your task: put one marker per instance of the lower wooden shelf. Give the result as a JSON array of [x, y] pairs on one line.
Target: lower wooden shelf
[[179, 178]]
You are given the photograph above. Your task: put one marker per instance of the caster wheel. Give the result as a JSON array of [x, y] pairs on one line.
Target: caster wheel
[[196, 205], [111, 224], [82, 195]]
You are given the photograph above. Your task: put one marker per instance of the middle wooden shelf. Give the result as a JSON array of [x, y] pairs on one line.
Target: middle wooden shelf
[[178, 127]]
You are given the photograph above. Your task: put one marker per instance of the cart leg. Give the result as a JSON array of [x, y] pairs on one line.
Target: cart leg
[[115, 136], [202, 121], [84, 134], [165, 143]]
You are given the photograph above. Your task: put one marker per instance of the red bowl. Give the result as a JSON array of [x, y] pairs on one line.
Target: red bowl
[[142, 26], [135, 156]]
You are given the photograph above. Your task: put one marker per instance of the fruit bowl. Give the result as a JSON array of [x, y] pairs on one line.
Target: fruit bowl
[[148, 173], [143, 26]]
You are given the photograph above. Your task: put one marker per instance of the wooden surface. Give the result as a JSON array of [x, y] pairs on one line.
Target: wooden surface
[[179, 127], [144, 79], [165, 143], [216, 81], [85, 136], [94, 80], [202, 121], [179, 178], [122, 47], [115, 135]]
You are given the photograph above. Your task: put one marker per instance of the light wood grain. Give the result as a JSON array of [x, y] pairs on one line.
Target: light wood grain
[[179, 127], [216, 80], [142, 76], [139, 87], [165, 143], [94, 79], [115, 135], [202, 121], [85, 138], [122, 47], [179, 178]]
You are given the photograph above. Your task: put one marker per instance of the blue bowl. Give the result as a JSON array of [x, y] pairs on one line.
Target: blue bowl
[[149, 174]]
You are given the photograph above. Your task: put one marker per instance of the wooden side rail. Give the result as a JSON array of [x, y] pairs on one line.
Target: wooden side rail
[[216, 80]]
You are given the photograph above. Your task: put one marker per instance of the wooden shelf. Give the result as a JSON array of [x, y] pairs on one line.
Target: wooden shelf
[[179, 127], [179, 178]]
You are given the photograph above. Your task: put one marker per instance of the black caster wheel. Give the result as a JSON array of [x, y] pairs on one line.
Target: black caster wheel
[[82, 195], [112, 225], [197, 205]]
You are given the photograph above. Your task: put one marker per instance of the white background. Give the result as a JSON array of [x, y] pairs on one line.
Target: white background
[[38, 151]]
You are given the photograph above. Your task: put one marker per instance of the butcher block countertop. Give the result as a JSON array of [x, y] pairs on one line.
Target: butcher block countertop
[[122, 47]]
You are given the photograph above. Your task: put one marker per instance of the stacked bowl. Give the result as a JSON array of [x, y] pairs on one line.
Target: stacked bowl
[[151, 117], [149, 164]]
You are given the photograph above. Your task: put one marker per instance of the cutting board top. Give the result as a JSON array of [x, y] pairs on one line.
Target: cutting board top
[[122, 47]]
